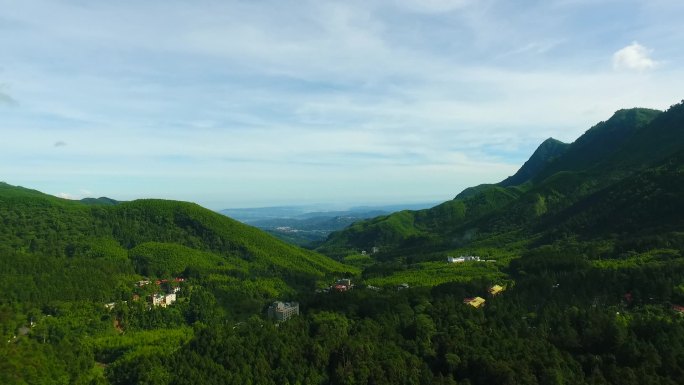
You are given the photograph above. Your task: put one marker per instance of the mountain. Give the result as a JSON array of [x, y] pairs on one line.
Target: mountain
[[549, 149], [556, 193], [90, 250], [99, 201]]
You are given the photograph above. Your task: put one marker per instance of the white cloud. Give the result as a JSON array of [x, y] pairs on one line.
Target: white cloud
[[310, 93], [634, 57]]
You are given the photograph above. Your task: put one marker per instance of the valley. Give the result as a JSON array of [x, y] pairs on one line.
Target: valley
[[310, 226]]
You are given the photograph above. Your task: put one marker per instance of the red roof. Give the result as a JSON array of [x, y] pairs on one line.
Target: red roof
[[678, 308]]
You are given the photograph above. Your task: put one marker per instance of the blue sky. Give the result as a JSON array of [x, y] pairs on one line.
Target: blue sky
[[259, 103]]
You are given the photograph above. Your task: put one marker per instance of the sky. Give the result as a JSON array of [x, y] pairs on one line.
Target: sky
[[282, 102]]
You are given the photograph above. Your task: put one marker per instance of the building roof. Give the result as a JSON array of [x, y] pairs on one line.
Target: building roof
[[678, 308], [496, 289], [474, 301]]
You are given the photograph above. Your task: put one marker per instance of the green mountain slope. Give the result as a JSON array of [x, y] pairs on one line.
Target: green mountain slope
[[411, 230], [596, 147], [99, 201], [558, 183], [145, 237], [549, 150]]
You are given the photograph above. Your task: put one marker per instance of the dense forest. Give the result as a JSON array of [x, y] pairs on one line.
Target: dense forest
[[586, 245]]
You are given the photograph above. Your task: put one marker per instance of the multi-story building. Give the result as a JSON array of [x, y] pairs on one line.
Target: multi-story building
[[282, 311], [162, 300]]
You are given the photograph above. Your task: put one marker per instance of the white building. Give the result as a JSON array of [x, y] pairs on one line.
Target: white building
[[282, 311], [162, 300], [463, 258], [157, 300], [170, 298]]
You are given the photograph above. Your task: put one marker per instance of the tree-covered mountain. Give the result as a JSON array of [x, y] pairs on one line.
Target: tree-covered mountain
[[622, 153], [100, 201], [39, 229], [549, 150]]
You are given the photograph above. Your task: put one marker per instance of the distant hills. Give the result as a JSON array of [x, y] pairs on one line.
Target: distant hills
[[100, 201], [619, 182], [310, 226]]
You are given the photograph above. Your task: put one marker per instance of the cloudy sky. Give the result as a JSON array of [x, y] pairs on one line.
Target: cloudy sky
[[271, 102]]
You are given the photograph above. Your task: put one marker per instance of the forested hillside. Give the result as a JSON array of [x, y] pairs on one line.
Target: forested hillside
[[623, 153], [40, 224]]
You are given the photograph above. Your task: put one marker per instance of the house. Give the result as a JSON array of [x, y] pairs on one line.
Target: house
[[678, 309], [496, 289], [463, 258], [162, 300], [343, 284], [475, 302], [170, 298], [341, 288], [158, 300], [403, 286], [282, 311], [375, 250]]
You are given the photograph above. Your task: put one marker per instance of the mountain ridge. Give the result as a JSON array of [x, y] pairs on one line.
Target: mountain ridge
[[554, 179], [59, 228], [546, 152]]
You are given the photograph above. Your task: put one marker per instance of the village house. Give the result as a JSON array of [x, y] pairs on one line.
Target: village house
[[158, 300], [343, 285], [162, 300], [463, 258], [475, 302], [282, 311], [496, 289]]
